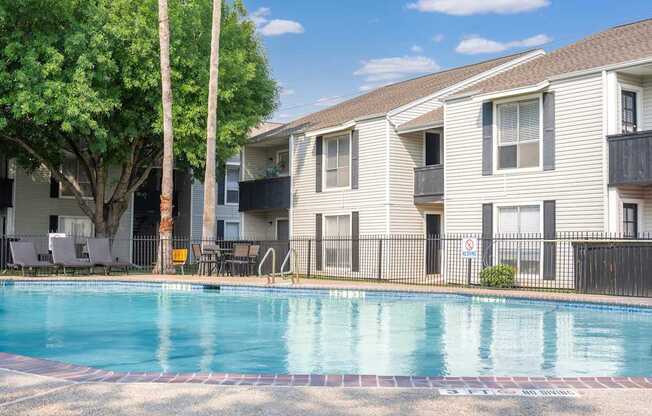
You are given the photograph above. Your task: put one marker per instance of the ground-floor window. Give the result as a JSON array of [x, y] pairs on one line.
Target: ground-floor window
[[519, 243], [630, 220], [337, 244], [231, 230], [76, 226]]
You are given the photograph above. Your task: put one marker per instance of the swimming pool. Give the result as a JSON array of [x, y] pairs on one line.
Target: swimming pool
[[187, 328]]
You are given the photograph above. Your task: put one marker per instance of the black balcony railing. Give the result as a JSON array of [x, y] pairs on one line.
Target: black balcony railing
[[265, 194], [429, 184], [6, 192], [630, 158]]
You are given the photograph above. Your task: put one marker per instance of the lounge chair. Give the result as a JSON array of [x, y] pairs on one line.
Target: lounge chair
[[24, 256], [239, 258], [64, 255], [207, 260], [254, 251], [99, 253], [180, 258]]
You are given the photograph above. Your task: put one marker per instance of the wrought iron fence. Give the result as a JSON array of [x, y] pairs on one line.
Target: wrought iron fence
[[597, 263]]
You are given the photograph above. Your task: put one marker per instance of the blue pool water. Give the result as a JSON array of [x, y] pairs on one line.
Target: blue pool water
[[184, 329]]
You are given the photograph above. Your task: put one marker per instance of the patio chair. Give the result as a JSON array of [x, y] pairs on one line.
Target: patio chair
[[239, 259], [99, 252], [64, 255], [206, 261], [24, 256], [180, 258], [254, 251]]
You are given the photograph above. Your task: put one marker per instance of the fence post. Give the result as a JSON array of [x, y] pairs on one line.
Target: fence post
[[380, 259], [309, 255]]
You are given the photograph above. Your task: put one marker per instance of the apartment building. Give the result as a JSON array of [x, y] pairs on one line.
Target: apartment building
[[530, 143]]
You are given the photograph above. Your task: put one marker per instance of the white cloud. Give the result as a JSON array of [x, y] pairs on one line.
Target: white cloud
[[273, 27], [469, 7], [416, 49], [475, 44], [438, 37], [392, 69], [286, 92], [329, 101]]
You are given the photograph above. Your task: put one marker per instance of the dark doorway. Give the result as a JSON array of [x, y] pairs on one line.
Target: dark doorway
[[433, 243], [282, 230], [433, 149], [630, 220]]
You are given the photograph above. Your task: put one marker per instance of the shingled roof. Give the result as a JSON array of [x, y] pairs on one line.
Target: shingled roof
[[387, 98], [429, 119], [619, 44]]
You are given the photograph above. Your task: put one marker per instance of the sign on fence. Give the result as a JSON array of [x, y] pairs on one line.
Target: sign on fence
[[469, 248]]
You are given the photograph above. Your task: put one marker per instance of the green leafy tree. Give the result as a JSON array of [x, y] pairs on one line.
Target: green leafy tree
[[82, 78]]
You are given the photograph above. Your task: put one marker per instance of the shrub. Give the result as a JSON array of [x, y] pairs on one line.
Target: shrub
[[500, 275]]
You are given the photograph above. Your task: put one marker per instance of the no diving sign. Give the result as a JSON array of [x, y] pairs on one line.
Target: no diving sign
[[469, 248]]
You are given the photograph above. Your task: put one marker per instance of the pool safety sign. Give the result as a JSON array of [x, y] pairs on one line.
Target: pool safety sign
[[469, 248]]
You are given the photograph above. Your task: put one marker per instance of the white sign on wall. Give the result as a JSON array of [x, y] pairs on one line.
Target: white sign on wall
[[469, 248]]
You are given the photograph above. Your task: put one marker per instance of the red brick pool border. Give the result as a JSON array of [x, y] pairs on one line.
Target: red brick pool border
[[82, 374]]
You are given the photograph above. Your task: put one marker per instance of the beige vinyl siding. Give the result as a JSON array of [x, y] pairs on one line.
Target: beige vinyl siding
[[642, 196], [647, 103], [261, 225], [415, 111], [576, 183], [625, 80], [258, 159]]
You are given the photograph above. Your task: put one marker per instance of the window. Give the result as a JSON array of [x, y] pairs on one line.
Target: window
[[519, 134], [630, 121], [520, 222], [630, 220], [283, 162], [74, 171], [232, 231], [338, 161], [337, 243], [76, 226], [232, 184]]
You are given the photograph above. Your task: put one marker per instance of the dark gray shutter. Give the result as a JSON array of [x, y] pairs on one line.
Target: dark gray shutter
[[221, 172], [318, 237], [355, 241], [487, 138], [549, 233], [355, 164], [487, 234], [220, 230], [319, 144], [54, 224], [548, 131], [54, 188]]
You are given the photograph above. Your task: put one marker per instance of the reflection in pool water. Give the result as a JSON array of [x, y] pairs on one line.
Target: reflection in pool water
[[130, 328]]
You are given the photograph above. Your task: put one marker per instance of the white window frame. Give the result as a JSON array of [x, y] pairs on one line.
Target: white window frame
[[226, 183], [640, 223], [640, 119], [496, 134], [62, 185], [226, 222], [496, 216], [325, 237], [278, 161], [75, 217], [325, 162]]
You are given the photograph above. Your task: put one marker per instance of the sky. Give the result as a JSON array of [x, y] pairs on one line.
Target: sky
[[324, 52]]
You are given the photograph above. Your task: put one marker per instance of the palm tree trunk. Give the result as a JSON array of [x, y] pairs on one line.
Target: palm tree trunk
[[208, 227], [164, 261]]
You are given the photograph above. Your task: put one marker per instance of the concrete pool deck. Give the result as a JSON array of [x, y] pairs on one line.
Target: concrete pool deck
[[25, 394]]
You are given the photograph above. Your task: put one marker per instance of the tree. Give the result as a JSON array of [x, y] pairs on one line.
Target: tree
[[166, 225], [208, 224], [82, 78]]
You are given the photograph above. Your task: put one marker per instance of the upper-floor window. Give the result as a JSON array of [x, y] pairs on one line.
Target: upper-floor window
[[338, 161], [74, 171], [519, 134], [629, 116], [232, 184], [283, 162]]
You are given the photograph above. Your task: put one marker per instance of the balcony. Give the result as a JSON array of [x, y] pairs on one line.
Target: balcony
[[630, 159], [265, 194], [429, 184], [6, 193]]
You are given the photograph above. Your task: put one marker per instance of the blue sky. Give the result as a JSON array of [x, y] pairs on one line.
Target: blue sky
[[325, 52]]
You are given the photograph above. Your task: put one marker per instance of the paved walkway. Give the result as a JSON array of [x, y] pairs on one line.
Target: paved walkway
[[22, 394]]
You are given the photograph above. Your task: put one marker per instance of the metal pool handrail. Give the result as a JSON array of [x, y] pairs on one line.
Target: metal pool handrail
[[296, 265], [262, 263]]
